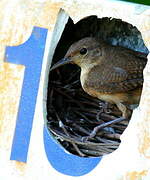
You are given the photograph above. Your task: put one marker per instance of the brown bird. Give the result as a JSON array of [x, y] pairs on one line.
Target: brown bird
[[110, 73]]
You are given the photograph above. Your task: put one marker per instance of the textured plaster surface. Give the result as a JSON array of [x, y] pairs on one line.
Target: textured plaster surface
[[17, 18]]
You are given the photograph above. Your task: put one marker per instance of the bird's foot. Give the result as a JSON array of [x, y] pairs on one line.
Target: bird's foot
[[101, 126], [104, 108]]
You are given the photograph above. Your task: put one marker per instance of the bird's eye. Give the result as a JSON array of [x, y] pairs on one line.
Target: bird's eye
[[83, 51]]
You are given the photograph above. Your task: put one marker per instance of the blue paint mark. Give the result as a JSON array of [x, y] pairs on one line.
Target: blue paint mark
[[67, 163], [29, 54]]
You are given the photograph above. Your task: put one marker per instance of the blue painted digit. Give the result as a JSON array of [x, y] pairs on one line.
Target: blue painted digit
[[67, 163], [29, 54]]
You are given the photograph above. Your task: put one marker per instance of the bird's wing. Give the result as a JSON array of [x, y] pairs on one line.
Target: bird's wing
[[132, 53], [122, 73]]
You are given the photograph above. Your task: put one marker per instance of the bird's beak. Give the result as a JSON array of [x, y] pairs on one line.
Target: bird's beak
[[60, 63]]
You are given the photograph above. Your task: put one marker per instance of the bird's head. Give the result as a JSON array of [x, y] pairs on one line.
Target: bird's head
[[84, 52]]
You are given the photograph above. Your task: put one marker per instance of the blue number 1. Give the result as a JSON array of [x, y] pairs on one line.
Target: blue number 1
[[31, 54]]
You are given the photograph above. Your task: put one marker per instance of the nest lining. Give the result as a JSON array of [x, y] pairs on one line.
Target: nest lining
[[73, 114]]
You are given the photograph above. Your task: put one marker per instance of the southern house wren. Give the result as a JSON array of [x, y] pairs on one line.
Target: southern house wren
[[111, 73]]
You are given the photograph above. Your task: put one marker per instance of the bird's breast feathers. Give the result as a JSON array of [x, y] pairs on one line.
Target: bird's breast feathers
[[84, 76]]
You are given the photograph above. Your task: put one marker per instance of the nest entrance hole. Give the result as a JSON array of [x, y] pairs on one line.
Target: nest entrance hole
[[73, 114]]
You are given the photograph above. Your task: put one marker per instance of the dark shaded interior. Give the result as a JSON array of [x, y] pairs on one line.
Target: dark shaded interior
[[72, 114]]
